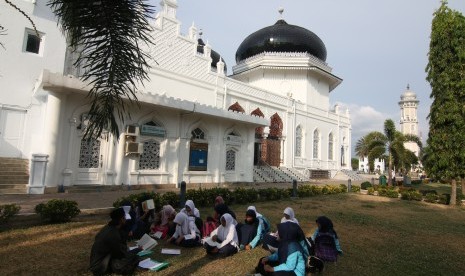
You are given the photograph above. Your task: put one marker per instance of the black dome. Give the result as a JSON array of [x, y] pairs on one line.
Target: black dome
[[281, 37], [214, 55]]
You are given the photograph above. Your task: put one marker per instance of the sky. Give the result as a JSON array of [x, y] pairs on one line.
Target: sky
[[376, 47]]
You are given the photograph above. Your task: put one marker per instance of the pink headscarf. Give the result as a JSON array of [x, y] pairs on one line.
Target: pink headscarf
[[166, 212], [219, 200]]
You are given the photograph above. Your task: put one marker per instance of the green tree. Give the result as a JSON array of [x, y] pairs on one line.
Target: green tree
[[354, 163], [389, 145], [110, 33], [445, 156]]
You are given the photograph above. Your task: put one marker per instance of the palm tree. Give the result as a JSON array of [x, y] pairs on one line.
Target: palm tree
[[375, 144]]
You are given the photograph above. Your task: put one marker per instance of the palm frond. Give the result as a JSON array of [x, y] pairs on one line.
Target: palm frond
[[109, 32]]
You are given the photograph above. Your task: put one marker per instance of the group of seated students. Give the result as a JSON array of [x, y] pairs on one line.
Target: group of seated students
[[221, 235]]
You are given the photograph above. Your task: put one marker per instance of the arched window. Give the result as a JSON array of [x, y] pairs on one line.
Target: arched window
[[330, 146], [316, 144], [150, 158], [298, 141], [198, 152], [230, 160]]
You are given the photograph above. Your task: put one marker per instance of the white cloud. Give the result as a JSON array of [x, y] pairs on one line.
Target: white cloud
[[364, 119]]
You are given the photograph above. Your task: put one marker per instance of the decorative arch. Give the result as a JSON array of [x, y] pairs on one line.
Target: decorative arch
[[198, 150], [276, 127], [236, 107], [259, 130]]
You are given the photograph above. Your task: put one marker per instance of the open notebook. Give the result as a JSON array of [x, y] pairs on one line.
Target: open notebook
[[146, 242]]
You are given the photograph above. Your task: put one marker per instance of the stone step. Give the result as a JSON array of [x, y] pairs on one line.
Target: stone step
[[15, 189], [8, 161], [5, 170], [19, 179]]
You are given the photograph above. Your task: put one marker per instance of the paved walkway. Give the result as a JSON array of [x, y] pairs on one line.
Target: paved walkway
[[105, 199], [90, 200]]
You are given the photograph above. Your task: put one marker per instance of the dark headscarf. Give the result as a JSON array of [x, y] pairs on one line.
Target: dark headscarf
[[222, 209], [326, 225], [290, 235]]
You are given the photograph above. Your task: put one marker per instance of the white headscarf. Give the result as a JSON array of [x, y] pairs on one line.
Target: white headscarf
[[183, 222], [255, 210], [290, 212], [194, 211], [227, 233]]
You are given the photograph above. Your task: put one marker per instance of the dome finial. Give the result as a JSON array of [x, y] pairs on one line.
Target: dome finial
[[408, 86], [281, 10], [200, 33]]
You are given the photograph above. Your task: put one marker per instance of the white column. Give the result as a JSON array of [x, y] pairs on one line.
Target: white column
[[51, 135], [38, 173], [68, 172]]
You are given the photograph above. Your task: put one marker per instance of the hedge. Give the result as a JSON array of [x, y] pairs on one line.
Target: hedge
[[206, 197]]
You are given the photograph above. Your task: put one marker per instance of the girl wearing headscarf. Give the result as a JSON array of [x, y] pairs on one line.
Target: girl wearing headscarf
[[263, 220], [186, 233], [325, 225], [289, 215], [213, 222], [270, 241], [225, 237], [190, 209], [166, 225], [249, 232], [290, 257]]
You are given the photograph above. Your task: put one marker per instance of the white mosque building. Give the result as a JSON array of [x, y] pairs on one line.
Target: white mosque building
[[194, 122]]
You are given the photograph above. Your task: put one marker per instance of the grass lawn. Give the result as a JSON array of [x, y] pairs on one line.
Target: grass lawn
[[379, 236]]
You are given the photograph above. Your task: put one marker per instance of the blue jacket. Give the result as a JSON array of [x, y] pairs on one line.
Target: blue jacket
[[294, 262]]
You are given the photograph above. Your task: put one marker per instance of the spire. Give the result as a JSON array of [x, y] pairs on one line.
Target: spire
[[193, 32], [408, 86], [281, 10]]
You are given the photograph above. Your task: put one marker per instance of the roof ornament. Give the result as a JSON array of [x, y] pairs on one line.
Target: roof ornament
[[281, 10], [200, 33], [408, 86]]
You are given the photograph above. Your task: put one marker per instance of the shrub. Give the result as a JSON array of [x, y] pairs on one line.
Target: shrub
[[58, 210], [365, 185], [383, 192], [355, 189], [371, 191], [7, 211], [425, 192], [460, 196], [444, 199], [392, 193], [431, 197], [171, 198], [342, 188], [411, 195], [416, 182]]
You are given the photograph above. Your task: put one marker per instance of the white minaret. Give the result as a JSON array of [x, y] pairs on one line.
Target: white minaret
[[408, 117]]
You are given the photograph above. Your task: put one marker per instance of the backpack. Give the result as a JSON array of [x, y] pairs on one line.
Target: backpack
[[265, 225], [325, 247], [208, 227], [315, 264]]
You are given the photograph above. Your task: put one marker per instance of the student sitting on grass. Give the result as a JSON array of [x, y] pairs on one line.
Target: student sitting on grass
[[249, 232], [164, 223], [186, 234], [213, 222], [190, 210], [109, 252], [263, 220], [225, 237], [290, 257], [270, 241], [326, 227]]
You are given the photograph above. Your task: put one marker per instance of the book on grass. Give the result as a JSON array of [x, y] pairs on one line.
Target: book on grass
[[144, 253], [157, 235], [146, 242], [148, 205], [152, 265], [209, 241], [170, 251]]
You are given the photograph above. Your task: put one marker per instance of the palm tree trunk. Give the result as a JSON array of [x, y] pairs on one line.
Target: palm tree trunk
[[390, 170], [453, 194]]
